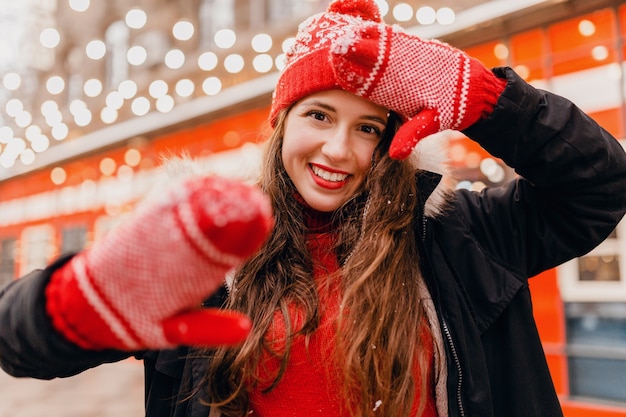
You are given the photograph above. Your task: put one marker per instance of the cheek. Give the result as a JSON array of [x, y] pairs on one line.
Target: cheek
[[298, 142], [293, 152], [292, 142], [287, 158], [364, 154], [287, 146], [289, 152]]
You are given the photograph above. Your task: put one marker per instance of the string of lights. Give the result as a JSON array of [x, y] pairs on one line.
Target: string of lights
[[74, 66]]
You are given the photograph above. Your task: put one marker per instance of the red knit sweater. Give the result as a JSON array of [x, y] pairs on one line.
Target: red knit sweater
[[310, 385]]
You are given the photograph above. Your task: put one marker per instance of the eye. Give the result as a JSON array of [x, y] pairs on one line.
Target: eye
[[371, 129], [317, 115]]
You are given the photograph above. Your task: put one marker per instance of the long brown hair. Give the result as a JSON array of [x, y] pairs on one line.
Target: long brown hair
[[380, 333]]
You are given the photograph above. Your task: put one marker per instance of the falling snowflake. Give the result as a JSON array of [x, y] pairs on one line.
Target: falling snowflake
[[377, 404]]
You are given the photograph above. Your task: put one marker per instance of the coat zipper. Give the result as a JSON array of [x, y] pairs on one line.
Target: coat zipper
[[457, 364], [448, 334]]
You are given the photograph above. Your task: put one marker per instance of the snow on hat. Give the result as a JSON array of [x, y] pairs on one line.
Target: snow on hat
[[308, 66]]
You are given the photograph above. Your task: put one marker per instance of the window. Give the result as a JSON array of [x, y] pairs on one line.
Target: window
[[7, 260], [528, 54], [116, 39], [73, 239], [583, 42], [37, 247], [596, 349], [599, 276], [294, 9], [215, 15]]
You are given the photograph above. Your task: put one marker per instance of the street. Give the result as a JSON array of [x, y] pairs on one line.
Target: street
[[112, 390]]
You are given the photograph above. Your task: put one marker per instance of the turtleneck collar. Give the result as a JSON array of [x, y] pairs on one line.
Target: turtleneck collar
[[316, 221]]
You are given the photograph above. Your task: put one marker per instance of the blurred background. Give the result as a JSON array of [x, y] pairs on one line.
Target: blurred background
[[93, 96], [112, 390]]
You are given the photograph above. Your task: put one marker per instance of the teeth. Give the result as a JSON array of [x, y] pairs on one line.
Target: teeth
[[328, 176]]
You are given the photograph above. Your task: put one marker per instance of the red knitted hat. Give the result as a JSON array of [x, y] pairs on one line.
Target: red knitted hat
[[308, 68]]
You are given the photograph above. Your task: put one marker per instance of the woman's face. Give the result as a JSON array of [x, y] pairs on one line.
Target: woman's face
[[328, 142]]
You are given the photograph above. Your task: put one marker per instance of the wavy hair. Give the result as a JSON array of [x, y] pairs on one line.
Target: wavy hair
[[380, 345]]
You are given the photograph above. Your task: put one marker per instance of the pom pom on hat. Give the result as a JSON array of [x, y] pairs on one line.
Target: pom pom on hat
[[308, 69], [365, 9]]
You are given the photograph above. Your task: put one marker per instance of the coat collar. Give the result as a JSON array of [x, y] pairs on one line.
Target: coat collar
[[432, 172]]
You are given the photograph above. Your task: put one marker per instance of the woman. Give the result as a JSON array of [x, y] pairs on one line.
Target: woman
[[375, 291]]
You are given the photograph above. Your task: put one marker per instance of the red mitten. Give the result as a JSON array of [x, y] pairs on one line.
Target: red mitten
[[431, 84], [142, 285]]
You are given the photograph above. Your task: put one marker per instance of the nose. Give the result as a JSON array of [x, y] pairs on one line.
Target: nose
[[337, 145]]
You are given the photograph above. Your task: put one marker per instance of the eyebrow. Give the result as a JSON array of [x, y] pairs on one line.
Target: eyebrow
[[328, 107]]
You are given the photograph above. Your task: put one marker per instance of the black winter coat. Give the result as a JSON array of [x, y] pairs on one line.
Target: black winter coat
[[477, 258]]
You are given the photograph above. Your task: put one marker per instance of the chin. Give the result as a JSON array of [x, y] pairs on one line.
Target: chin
[[325, 206]]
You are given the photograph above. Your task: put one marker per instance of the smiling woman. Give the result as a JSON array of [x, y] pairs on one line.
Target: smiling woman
[[351, 279], [328, 145]]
